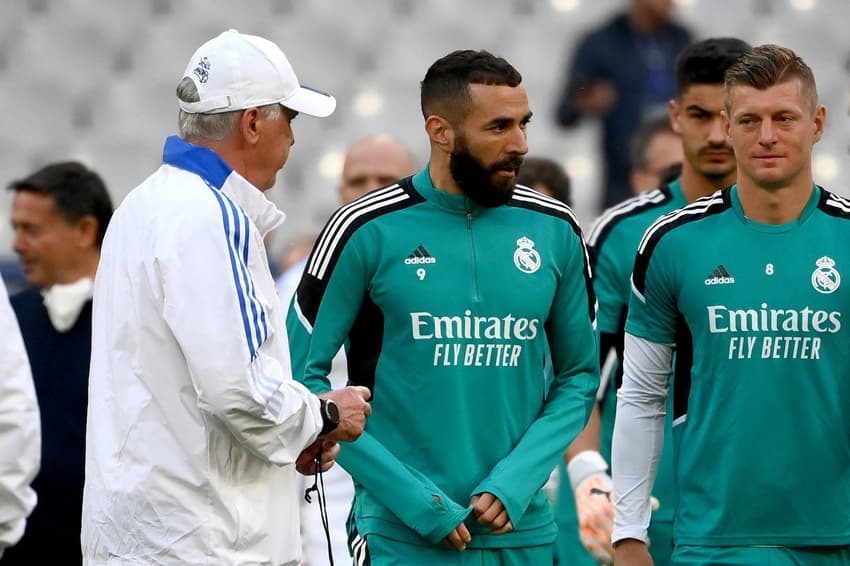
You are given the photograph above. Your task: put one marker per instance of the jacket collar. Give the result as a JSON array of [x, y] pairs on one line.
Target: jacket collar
[[207, 165], [449, 201]]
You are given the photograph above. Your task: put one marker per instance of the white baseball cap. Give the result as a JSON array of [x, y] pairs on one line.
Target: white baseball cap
[[234, 71]]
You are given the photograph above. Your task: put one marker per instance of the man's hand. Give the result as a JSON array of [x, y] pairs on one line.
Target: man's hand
[[491, 513], [459, 537], [353, 410], [306, 462], [596, 98], [594, 494], [631, 552]]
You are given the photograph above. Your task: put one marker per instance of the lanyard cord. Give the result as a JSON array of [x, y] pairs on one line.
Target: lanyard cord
[[319, 487]]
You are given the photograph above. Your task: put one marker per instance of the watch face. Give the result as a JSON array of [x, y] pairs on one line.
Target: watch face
[[333, 412]]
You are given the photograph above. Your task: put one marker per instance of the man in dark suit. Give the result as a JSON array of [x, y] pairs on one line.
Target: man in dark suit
[[59, 215]]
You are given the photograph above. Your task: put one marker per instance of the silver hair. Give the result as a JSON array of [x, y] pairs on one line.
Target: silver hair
[[211, 127]]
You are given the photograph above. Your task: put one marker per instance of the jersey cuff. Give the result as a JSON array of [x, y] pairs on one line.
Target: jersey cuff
[[623, 533], [640, 332], [605, 326]]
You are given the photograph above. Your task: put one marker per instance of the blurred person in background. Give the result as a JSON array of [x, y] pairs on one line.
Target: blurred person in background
[[709, 165], [20, 439], [622, 73], [370, 163], [671, 173], [195, 425], [655, 148], [59, 216], [374, 161], [12, 273], [291, 265], [546, 176], [448, 288]]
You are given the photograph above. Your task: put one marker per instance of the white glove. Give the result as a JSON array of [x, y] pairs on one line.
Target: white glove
[[594, 494], [550, 488]]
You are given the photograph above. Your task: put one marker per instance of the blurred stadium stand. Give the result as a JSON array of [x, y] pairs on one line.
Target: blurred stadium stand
[[94, 79]]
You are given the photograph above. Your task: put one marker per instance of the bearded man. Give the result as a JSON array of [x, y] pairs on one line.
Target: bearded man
[[465, 305]]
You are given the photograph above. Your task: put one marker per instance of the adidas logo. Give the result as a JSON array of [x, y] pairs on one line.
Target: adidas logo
[[719, 277], [420, 255]]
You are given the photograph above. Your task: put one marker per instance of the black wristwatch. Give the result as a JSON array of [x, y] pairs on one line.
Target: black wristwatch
[[330, 416]]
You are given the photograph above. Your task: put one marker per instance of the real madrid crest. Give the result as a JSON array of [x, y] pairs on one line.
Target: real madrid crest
[[202, 71], [825, 278], [526, 257]]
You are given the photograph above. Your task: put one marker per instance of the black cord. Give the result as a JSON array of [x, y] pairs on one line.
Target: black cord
[[319, 487]]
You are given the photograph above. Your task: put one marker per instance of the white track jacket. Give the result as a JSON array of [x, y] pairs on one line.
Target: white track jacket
[[20, 429], [194, 421]]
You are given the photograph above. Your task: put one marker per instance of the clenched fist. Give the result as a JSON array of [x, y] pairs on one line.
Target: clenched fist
[[306, 462], [353, 406]]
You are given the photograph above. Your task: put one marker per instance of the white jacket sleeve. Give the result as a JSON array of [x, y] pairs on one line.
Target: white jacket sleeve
[[237, 354], [638, 434], [20, 429]]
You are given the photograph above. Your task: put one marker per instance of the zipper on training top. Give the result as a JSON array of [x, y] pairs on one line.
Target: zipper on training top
[[475, 296]]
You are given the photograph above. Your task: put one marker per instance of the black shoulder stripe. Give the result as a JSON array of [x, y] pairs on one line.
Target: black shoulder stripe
[[700, 208], [833, 204], [532, 200], [613, 215], [338, 230]]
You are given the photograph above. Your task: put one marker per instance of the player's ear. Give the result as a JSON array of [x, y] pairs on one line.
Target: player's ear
[[249, 125], [441, 132], [820, 121], [675, 114]]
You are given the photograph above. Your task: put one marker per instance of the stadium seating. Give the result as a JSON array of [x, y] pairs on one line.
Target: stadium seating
[[94, 79]]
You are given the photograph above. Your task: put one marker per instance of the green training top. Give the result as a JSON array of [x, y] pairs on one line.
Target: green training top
[[613, 242], [759, 316], [448, 310]]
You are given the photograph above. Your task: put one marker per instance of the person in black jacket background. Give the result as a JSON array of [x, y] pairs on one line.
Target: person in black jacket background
[[622, 73], [59, 216]]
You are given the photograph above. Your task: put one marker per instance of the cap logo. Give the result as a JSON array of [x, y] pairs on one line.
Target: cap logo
[[202, 71]]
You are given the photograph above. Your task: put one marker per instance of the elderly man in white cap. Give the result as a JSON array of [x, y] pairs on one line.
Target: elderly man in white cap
[[195, 426]]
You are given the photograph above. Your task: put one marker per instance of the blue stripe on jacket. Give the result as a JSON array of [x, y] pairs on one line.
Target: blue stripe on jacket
[[215, 172]]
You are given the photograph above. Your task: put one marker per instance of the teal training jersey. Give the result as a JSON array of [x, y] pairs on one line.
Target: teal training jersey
[[759, 315], [448, 310], [613, 241]]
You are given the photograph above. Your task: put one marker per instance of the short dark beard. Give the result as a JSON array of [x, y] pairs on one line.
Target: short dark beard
[[475, 179]]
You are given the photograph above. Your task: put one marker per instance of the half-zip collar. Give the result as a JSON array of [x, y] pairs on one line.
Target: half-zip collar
[[459, 204], [207, 164]]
